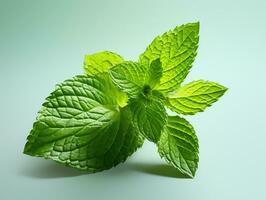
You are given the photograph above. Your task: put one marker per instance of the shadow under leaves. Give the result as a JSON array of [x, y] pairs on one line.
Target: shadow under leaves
[[49, 169], [159, 170]]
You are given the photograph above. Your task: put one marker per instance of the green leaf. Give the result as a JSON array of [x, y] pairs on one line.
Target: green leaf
[[80, 125], [130, 77], [155, 73], [127, 140], [101, 62], [195, 97], [177, 51], [96, 121], [179, 145], [148, 112], [149, 117], [135, 79]]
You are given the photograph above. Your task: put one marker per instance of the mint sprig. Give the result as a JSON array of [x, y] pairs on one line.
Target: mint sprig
[[97, 120]]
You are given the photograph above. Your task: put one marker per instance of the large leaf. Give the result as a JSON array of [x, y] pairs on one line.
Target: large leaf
[[177, 51], [195, 97], [101, 62], [81, 125], [179, 145], [149, 117]]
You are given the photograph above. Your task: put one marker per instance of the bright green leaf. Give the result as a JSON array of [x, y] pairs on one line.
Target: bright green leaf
[[179, 145], [81, 126], [195, 97], [149, 117], [177, 51], [134, 78], [148, 112], [130, 77], [95, 121], [155, 73], [101, 62]]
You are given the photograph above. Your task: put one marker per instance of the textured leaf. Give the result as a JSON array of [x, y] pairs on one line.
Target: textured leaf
[[195, 97], [81, 126], [148, 113], [179, 145], [101, 62], [130, 77], [149, 117], [135, 79], [155, 73], [176, 50]]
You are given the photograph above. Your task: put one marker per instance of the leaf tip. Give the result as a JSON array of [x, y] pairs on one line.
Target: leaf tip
[[224, 89], [195, 25], [26, 149]]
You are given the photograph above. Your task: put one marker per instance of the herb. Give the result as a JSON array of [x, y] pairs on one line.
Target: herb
[[95, 121]]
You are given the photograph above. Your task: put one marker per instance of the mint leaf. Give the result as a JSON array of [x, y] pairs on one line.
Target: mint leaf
[[177, 51], [130, 77], [149, 117], [95, 121], [155, 73], [134, 78], [81, 126], [195, 97], [101, 62], [148, 112], [126, 143], [179, 145]]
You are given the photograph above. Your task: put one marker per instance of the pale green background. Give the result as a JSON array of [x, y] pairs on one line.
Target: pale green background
[[43, 42]]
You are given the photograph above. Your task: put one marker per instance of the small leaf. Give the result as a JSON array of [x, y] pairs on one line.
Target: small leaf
[[134, 78], [179, 145], [155, 73], [177, 51], [80, 125], [101, 62], [149, 117], [195, 97], [130, 77]]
